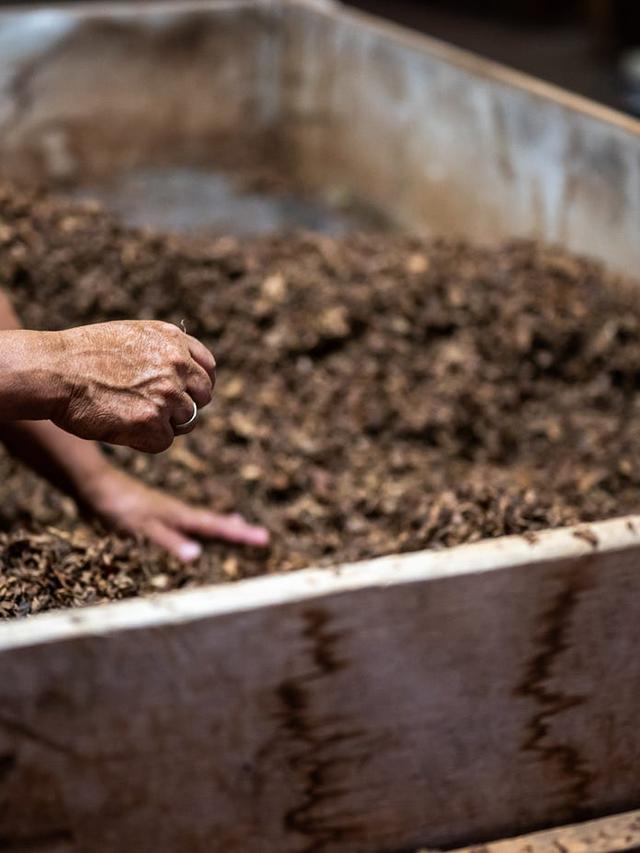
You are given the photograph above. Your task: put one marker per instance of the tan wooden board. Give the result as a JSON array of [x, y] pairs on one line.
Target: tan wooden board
[[426, 699], [613, 834]]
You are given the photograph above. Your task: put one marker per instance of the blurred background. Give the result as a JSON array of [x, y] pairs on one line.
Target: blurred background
[[591, 47]]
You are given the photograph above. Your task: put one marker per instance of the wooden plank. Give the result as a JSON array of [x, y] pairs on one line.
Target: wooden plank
[[426, 699], [613, 834]]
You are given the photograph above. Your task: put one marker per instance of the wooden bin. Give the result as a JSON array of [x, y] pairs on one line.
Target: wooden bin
[[428, 699]]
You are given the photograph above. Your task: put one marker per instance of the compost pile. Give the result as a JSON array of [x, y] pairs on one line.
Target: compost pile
[[376, 393]]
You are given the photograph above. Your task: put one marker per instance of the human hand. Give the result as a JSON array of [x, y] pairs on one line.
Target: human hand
[[127, 504], [130, 382]]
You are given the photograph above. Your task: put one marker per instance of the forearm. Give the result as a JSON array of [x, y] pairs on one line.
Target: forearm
[[29, 387], [70, 463]]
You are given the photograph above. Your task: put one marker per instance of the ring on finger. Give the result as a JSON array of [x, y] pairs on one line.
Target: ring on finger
[[187, 424]]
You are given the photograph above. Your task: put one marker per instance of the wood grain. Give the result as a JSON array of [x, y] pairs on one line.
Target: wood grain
[[426, 699]]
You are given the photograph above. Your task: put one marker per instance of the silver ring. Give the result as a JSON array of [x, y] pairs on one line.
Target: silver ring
[[190, 422]]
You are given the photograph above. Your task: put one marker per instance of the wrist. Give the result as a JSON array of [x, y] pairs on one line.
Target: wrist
[[98, 488], [58, 378], [33, 385], [92, 474]]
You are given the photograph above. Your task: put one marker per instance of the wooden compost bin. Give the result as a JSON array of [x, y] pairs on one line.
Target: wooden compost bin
[[429, 699]]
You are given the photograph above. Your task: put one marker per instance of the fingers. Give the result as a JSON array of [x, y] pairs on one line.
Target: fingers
[[198, 389], [156, 438], [199, 386], [173, 541], [182, 417], [196, 367], [202, 356], [231, 528]]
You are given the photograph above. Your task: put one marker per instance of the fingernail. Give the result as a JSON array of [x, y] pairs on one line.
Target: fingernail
[[260, 536], [190, 551]]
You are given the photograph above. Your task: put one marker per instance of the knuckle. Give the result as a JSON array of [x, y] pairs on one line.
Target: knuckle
[[211, 369], [202, 392], [148, 416], [168, 388], [205, 383], [182, 413], [211, 359], [179, 358], [206, 395], [152, 328], [169, 328]]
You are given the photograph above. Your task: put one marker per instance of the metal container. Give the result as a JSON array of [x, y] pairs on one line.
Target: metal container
[[427, 699]]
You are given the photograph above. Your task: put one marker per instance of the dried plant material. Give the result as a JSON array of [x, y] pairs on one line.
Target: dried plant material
[[274, 288], [231, 567], [587, 536], [417, 263], [377, 393]]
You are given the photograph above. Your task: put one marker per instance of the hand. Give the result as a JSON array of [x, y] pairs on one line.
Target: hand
[[130, 382], [128, 505]]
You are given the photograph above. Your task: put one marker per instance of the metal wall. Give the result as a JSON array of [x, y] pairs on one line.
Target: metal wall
[[452, 143], [438, 139]]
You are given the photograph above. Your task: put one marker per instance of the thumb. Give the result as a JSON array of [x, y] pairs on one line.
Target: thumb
[[173, 541]]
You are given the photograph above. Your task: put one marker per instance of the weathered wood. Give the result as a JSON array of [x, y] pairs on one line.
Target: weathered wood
[[607, 835], [433, 698]]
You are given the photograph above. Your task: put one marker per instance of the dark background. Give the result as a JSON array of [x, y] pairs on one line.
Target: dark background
[[582, 45]]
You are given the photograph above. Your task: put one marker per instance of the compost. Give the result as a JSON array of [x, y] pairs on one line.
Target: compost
[[376, 393]]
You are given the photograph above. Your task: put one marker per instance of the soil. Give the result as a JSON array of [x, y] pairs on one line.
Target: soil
[[376, 393]]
